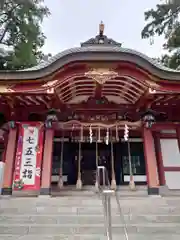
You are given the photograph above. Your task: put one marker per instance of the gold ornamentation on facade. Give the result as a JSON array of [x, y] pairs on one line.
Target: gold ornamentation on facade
[[50, 83], [152, 91], [5, 89], [101, 75], [50, 90], [152, 84]]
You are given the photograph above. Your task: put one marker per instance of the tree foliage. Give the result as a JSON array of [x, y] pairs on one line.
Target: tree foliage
[[165, 20], [21, 37]]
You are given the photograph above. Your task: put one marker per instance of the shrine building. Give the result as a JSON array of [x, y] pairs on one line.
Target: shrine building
[[97, 104]]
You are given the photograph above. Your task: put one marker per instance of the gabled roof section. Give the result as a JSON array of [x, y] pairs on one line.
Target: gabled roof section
[[100, 48], [101, 39]]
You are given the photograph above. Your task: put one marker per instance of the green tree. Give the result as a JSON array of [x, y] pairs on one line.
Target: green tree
[[164, 20], [21, 37]]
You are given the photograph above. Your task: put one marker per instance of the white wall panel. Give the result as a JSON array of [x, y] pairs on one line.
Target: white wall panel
[[173, 180], [170, 152], [55, 178], [137, 178], [168, 131]]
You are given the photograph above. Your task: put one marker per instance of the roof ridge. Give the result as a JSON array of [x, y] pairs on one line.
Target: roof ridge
[[100, 48]]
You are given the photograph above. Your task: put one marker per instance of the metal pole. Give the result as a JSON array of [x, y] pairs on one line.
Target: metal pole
[[97, 172], [113, 177], [79, 180], [104, 177], [102, 172], [61, 183], [2, 166], [108, 215]]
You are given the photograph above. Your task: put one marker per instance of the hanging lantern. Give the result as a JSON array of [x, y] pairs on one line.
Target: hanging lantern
[[52, 115], [148, 118], [12, 124], [50, 118], [48, 124]]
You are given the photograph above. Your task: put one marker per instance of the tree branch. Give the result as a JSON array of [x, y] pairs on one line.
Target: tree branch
[[161, 19], [9, 13], [4, 33]]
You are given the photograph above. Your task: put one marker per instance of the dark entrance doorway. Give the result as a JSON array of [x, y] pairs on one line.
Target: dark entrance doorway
[[70, 153], [137, 160], [88, 161], [104, 158]]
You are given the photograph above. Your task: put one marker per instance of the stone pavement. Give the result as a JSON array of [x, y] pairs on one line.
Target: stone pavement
[[81, 218]]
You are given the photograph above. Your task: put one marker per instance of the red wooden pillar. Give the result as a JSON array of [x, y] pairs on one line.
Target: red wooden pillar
[[47, 162], [9, 162], [151, 163], [3, 157], [162, 180]]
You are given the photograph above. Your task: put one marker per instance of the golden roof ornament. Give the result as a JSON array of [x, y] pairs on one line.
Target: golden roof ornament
[[100, 39], [101, 28], [101, 75], [5, 89]]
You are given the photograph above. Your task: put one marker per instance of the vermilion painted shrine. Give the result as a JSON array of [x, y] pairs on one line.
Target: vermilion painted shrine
[[66, 116]]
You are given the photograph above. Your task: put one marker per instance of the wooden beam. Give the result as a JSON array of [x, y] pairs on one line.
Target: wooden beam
[[144, 101], [98, 91], [56, 102]]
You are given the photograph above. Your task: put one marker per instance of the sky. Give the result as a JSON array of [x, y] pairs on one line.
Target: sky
[[75, 21]]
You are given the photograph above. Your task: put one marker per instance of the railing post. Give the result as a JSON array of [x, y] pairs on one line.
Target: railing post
[[2, 166], [107, 205], [103, 170]]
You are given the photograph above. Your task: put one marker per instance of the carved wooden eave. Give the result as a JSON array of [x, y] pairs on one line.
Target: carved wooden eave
[[6, 89], [129, 88]]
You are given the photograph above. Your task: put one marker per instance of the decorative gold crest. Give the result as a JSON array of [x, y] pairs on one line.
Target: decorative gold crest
[[101, 75], [50, 83], [152, 84], [5, 89]]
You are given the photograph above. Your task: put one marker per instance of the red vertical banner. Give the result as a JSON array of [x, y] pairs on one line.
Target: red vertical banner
[[28, 157]]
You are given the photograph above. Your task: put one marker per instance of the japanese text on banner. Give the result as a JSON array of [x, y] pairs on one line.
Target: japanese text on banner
[[29, 155]]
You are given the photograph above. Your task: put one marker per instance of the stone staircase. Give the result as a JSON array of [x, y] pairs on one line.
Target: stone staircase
[[81, 218], [122, 191]]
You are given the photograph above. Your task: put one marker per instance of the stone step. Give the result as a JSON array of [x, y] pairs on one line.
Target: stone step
[[95, 199], [91, 220], [52, 229], [88, 201], [90, 191], [123, 193], [90, 237], [96, 210], [82, 218], [92, 187]]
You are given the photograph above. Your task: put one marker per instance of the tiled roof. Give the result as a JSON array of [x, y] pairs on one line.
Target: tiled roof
[[100, 49]]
